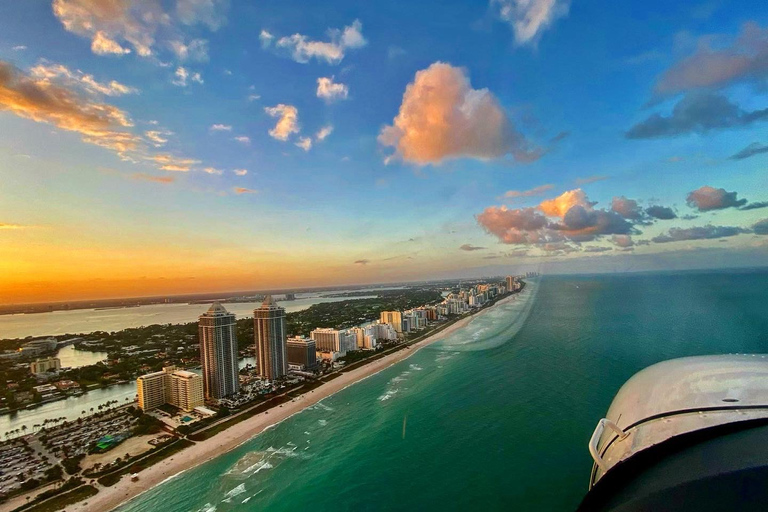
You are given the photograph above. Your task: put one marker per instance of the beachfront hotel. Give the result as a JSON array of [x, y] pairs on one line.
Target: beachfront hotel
[[218, 352], [393, 318], [270, 338], [302, 353]]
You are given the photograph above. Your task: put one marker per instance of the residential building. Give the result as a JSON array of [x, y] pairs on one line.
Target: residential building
[[178, 388], [270, 337], [218, 352], [393, 318], [302, 353], [44, 365]]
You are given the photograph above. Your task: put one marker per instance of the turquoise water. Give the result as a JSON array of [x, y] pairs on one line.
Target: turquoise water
[[496, 416]]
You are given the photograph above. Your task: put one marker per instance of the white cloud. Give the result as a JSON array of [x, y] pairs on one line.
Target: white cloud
[[213, 170], [211, 13], [183, 76], [287, 123], [303, 49], [529, 18], [266, 38], [304, 143], [324, 132], [196, 50], [253, 97], [157, 137], [242, 139], [240, 172], [331, 91], [221, 128], [19, 48]]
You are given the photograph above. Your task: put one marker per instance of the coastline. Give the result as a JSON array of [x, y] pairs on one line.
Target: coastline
[[112, 497]]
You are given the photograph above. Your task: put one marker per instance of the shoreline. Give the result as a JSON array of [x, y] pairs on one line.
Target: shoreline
[[125, 490]]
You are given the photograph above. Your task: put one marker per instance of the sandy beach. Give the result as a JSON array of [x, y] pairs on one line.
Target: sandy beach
[[109, 498]]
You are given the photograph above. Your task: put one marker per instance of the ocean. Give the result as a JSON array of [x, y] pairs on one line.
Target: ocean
[[494, 417]]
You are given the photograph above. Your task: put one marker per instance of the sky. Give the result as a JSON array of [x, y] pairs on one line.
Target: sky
[[159, 147]]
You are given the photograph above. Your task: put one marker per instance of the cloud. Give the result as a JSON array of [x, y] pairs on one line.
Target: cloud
[[4, 225], [196, 50], [761, 227], [469, 247], [323, 133], [266, 38], [560, 205], [590, 179], [627, 208], [213, 170], [536, 191], [157, 137], [304, 143], [753, 149], [240, 172], [49, 72], [19, 47], [40, 100], [110, 22], [362, 262], [287, 123], [253, 97], [242, 139], [167, 162], [597, 248], [183, 75], [696, 113], [211, 13], [442, 117], [661, 212], [519, 226], [101, 44], [579, 222], [118, 27], [331, 91], [707, 198], [243, 190], [220, 128], [755, 205], [708, 232], [164, 180], [623, 241], [529, 18], [744, 60], [302, 49]]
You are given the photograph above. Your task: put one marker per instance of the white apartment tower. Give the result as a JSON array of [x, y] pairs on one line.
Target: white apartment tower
[[270, 335], [218, 352]]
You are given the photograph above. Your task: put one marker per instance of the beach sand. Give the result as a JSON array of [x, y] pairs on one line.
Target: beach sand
[[109, 498]]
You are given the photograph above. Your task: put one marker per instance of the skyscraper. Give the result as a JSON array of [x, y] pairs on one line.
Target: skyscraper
[[218, 352], [269, 334]]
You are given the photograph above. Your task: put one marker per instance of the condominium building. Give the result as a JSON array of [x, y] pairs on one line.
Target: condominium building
[[218, 352], [302, 352], [179, 388], [270, 337], [333, 340], [43, 365], [393, 318], [186, 391]]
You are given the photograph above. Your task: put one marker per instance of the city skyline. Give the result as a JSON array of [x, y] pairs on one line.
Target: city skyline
[[143, 140]]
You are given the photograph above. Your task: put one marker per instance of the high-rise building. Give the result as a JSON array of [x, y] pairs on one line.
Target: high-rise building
[[302, 352], [393, 318], [270, 335], [179, 388], [218, 352], [186, 391]]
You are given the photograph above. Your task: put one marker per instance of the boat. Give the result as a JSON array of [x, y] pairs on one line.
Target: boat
[[688, 434]]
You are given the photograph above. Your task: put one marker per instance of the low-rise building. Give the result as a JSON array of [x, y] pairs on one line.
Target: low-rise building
[[179, 388]]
